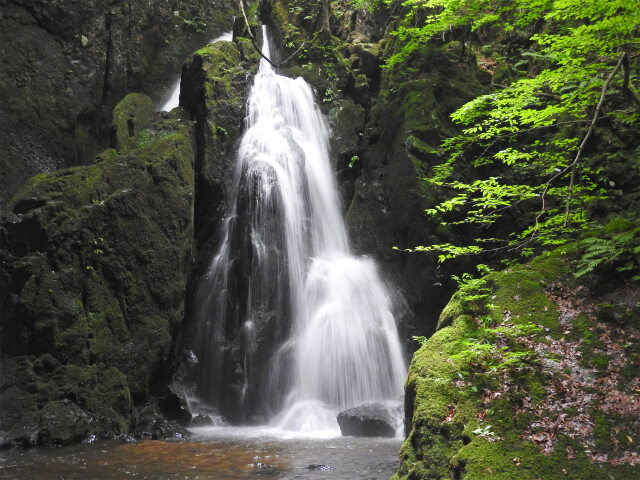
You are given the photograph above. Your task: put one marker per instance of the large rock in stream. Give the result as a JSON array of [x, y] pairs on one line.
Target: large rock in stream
[[369, 420]]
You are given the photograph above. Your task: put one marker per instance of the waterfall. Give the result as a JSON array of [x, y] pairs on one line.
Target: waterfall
[[293, 327]]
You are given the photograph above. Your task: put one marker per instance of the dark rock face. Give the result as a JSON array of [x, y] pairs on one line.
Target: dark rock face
[[215, 82], [65, 64], [175, 404], [92, 282], [407, 123], [95, 263], [369, 420]]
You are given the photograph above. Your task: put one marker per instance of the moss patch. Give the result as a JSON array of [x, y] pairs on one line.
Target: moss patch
[[522, 384], [98, 259]]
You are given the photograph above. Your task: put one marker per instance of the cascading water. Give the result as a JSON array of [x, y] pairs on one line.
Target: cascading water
[[293, 327]]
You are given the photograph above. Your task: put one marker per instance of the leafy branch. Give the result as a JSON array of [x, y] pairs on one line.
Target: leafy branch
[[519, 153], [586, 138]]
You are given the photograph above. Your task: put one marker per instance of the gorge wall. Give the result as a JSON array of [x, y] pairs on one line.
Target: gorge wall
[[100, 262], [64, 65], [100, 253]]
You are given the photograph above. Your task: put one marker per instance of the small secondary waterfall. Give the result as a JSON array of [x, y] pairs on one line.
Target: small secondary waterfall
[[173, 99], [292, 327]]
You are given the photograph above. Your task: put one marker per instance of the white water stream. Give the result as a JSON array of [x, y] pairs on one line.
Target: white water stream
[[314, 322], [173, 100]]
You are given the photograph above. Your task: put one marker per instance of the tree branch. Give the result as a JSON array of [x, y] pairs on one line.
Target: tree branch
[[586, 138], [326, 29], [625, 84], [258, 49]]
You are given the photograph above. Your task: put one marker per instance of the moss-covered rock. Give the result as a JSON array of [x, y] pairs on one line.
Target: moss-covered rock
[[62, 423], [65, 64], [95, 267], [130, 119], [523, 381], [215, 80]]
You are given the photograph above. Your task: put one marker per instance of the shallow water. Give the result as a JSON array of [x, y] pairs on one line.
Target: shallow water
[[212, 454]]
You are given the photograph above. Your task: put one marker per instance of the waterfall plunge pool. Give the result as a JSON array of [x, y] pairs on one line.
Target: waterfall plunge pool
[[219, 453]]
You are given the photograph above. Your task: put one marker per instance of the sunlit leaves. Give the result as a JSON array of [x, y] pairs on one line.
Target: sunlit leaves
[[483, 199], [528, 130]]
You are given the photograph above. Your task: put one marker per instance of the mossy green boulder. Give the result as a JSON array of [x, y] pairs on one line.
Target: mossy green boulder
[[527, 379], [95, 266]]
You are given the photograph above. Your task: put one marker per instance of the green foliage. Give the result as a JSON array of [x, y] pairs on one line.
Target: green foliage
[[369, 5], [470, 288], [487, 351], [304, 21], [198, 25], [149, 136], [421, 339], [486, 345], [522, 153], [484, 431], [621, 250]]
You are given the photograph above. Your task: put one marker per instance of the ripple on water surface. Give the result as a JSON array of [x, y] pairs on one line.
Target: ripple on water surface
[[212, 456]]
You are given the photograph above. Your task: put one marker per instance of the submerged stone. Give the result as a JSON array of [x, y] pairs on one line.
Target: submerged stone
[[315, 466]]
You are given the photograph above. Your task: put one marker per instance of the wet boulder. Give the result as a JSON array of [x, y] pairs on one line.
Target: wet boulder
[[175, 404], [202, 420], [369, 420], [62, 422]]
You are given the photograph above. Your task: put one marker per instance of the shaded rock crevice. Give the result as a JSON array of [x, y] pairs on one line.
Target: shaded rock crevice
[[107, 59]]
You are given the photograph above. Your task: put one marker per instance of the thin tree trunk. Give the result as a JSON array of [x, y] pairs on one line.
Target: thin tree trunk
[[326, 28], [586, 138]]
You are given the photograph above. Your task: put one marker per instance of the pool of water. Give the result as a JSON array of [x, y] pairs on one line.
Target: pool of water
[[217, 453]]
